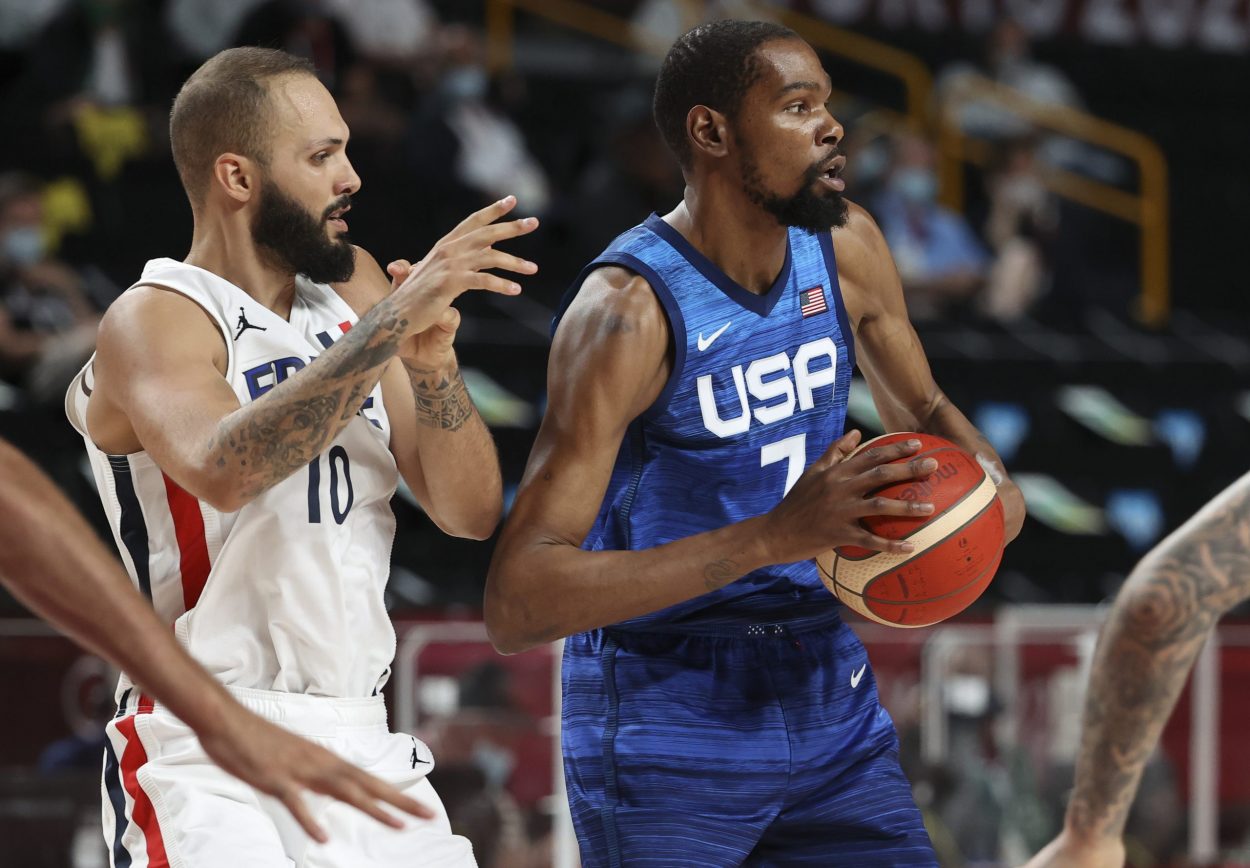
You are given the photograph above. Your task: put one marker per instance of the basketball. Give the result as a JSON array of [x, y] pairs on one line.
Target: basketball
[[957, 548]]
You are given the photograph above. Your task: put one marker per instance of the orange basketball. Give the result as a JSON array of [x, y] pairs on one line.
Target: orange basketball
[[958, 547]]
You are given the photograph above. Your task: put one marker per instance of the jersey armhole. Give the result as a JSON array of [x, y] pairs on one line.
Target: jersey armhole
[[226, 337], [676, 323], [835, 290]]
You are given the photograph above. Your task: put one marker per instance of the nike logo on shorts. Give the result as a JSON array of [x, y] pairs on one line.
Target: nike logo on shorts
[[856, 676]]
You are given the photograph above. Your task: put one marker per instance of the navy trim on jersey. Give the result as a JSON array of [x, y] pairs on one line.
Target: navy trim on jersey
[[760, 304], [835, 289], [133, 529], [113, 786]]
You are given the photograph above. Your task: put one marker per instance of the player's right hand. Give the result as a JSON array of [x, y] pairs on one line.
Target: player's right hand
[[459, 263], [283, 765], [824, 507]]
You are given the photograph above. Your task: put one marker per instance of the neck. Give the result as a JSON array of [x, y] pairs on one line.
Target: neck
[[741, 238], [225, 248]]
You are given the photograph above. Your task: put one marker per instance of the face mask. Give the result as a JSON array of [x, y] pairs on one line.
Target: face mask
[[917, 186], [23, 245], [494, 762], [466, 82]]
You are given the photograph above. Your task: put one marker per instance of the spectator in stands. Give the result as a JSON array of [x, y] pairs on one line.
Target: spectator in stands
[[47, 323], [462, 141], [631, 176], [1021, 225], [939, 258], [1009, 62]]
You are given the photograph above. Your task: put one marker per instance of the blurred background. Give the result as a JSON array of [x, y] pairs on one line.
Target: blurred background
[[1063, 184]]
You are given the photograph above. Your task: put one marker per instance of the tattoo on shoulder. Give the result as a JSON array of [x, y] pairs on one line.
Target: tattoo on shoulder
[[442, 402]]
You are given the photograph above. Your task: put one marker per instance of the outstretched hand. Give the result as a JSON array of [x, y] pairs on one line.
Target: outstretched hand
[[283, 765]]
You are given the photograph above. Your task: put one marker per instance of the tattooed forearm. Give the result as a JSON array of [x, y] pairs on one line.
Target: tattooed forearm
[[280, 432], [1157, 627], [442, 400]]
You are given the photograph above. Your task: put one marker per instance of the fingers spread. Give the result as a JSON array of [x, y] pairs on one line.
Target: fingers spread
[[483, 217], [295, 804]]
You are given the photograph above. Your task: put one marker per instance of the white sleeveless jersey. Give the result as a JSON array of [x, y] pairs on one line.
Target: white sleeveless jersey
[[286, 593]]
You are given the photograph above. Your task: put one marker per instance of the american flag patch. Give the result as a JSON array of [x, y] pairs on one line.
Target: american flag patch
[[812, 301]]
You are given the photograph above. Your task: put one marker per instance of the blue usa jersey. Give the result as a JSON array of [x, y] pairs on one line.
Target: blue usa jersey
[[758, 391]]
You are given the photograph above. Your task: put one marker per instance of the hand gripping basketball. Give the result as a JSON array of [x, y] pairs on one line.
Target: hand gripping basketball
[[825, 506], [956, 545]]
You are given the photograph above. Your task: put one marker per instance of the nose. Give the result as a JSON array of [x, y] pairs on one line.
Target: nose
[[831, 131], [349, 183]]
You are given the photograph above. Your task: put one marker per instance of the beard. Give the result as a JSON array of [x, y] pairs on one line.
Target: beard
[[812, 208], [297, 241]]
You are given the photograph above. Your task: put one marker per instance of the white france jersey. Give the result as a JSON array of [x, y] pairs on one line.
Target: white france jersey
[[285, 594]]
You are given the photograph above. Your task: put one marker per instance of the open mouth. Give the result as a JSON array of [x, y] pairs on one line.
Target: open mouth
[[832, 175], [335, 218]]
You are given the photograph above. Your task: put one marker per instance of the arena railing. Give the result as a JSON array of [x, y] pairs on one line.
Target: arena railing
[[1147, 208]]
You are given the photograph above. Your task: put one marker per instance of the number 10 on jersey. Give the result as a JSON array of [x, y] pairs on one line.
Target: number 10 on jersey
[[340, 504]]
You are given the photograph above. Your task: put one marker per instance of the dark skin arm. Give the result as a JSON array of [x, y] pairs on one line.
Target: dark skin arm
[[609, 362], [893, 361], [1161, 618]]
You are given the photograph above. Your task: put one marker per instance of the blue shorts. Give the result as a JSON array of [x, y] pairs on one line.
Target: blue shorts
[[751, 746]]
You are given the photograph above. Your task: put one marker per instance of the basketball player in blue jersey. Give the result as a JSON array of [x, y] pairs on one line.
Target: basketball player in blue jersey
[[692, 461]]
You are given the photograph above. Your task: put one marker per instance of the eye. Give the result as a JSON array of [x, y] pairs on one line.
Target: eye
[[797, 108], [321, 156]]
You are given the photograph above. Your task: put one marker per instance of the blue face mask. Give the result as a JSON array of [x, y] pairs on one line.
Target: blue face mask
[[915, 185], [23, 245]]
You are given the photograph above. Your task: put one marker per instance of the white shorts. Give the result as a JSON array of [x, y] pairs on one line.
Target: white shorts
[[167, 804]]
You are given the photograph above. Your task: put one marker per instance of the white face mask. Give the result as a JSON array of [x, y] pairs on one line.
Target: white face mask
[[23, 245], [918, 186]]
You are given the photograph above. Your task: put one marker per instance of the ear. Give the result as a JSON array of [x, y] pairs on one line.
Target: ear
[[708, 131], [237, 176]]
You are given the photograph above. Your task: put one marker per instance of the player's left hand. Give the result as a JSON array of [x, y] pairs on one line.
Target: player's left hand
[[283, 765], [1067, 852], [432, 349]]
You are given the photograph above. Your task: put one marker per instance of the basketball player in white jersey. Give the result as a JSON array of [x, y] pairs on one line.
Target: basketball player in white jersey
[[53, 562], [247, 425]]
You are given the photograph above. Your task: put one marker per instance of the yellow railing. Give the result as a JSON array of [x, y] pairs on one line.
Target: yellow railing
[[915, 78], [1148, 208]]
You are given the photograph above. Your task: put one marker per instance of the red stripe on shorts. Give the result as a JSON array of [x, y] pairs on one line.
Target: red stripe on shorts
[[143, 814]]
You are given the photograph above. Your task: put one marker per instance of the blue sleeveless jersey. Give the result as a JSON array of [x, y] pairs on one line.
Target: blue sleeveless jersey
[[758, 391]]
